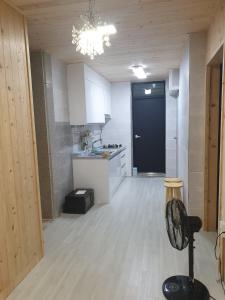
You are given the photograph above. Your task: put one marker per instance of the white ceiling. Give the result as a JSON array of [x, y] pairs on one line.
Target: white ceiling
[[151, 32]]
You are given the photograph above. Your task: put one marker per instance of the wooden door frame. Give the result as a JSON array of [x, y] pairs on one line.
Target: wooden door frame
[[212, 148], [222, 172], [221, 194]]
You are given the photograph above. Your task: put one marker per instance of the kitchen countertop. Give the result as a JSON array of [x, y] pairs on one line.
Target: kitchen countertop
[[87, 155]]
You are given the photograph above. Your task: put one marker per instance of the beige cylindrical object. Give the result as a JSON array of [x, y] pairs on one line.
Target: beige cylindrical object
[[173, 190], [172, 179]]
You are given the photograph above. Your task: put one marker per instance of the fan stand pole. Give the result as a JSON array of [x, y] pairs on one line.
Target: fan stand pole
[[191, 256]]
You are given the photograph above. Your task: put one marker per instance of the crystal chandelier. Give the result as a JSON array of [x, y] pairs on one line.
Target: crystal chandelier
[[94, 35]]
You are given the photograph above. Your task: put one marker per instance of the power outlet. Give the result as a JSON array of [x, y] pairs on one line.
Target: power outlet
[[222, 228]]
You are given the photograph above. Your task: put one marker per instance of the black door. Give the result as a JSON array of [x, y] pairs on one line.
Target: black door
[[149, 127]]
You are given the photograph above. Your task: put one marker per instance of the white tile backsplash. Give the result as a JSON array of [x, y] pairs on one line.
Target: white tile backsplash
[[95, 133]]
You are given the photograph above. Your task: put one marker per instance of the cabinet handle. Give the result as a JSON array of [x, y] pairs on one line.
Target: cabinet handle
[[123, 165], [123, 156]]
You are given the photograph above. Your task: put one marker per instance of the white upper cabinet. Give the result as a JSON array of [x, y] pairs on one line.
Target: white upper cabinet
[[89, 95], [107, 92], [94, 103]]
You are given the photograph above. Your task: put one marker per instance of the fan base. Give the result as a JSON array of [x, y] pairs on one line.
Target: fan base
[[182, 288]]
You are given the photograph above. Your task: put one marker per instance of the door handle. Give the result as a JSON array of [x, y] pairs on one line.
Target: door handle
[[137, 136]]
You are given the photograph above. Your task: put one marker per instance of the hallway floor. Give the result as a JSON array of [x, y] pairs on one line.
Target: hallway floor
[[118, 251]]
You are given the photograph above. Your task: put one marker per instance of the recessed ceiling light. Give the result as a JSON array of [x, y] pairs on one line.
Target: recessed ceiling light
[[139, 71]]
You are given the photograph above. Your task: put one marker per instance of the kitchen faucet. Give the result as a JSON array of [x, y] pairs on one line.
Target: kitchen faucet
[[92, 144]]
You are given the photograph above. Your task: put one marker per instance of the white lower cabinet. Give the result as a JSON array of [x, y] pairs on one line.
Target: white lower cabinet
[[102, 175], [123, 164], [116, 173]]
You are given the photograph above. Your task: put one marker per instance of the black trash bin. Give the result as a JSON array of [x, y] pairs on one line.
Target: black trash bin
[[79, 201]]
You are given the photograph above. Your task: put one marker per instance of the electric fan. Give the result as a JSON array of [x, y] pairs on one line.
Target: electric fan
[[181, 229]]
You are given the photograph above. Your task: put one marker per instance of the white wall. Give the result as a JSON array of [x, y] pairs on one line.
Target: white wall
[[61, 136], [197, 123], [54, 136], [171, 134], [118, 129], [60, 92], [191, 122], [183, 120]]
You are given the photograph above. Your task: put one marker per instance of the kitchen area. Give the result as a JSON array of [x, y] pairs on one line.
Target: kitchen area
[[83, 130], [102, 169], [96, 164], [89, 122]]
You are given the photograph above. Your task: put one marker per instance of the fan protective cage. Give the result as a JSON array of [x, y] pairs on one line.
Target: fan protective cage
[[176, 216]]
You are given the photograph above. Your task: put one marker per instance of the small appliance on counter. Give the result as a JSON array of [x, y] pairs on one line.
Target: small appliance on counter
[[79, 201]]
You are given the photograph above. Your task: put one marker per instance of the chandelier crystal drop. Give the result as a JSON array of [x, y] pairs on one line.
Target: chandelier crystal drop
[[93, 35]]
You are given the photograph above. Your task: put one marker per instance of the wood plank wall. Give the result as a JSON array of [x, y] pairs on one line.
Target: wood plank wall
[[216, 34], [21, 245], [216, 39], [222, 172], [212, 142]]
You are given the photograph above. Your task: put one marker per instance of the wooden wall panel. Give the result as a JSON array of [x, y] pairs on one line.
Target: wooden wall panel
[[21, 244], [222, 170], [212, 150], [216, 39], [216, 34]]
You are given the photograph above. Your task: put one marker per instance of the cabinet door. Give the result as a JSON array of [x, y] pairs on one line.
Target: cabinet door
[[76, 94], [123, 164], [107, 98], [94, 103], [114, 174]]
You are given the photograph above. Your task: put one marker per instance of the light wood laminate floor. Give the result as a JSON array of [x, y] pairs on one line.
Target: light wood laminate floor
[[118, 251]]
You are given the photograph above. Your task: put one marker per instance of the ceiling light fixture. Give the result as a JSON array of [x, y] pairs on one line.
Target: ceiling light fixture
[[93, 35], [139, 71]]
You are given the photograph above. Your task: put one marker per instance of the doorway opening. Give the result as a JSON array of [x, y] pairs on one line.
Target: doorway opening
[[213, 137], [149, 122]]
